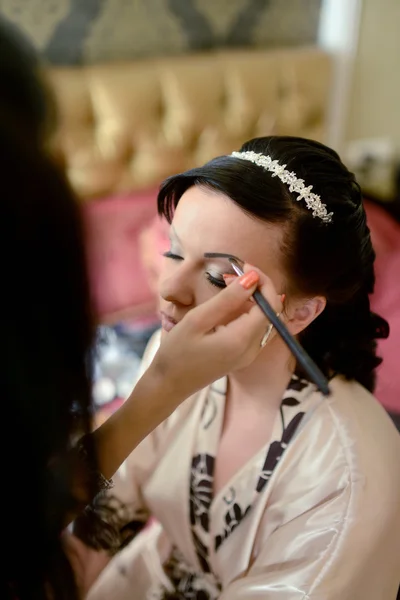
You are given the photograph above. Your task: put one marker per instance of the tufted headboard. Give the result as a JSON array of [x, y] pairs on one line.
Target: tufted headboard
[[124, 127]]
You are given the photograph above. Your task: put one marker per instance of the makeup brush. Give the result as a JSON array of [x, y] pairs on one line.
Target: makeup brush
[[309, 366]]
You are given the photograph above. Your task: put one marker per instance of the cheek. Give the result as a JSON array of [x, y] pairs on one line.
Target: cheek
[[166, 270]]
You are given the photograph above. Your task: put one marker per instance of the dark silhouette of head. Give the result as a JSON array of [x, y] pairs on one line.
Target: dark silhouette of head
[[47, 329]]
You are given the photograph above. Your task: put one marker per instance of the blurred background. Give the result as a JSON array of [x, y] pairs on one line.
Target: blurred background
[[148, 88]]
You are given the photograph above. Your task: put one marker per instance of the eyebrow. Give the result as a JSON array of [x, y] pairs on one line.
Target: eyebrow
[[222, 255]]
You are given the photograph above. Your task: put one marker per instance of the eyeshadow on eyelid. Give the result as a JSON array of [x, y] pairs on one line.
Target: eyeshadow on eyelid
[[216, 274]]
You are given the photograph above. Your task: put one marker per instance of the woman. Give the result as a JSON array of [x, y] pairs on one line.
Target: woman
[[47, 334], [260, 487]]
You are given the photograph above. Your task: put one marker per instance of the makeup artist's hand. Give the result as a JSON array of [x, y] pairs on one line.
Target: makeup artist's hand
[[211, 340]]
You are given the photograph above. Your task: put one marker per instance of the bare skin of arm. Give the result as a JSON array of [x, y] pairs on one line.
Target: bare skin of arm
[[208, 343], [198, 351]]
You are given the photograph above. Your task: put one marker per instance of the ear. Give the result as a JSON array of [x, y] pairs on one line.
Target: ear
[[304, 312]]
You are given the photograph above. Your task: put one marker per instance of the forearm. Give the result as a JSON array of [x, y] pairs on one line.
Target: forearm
[[151, 402], [97, 456], [195, 353]]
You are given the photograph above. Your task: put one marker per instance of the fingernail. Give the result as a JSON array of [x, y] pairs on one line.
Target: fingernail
[[283, 298], [248, 280]]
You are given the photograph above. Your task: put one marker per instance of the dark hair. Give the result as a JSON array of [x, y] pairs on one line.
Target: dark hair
[[47, 331], [334, 259], [25, 99]]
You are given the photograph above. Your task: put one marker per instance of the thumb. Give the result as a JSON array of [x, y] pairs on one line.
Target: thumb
[[225, 305]]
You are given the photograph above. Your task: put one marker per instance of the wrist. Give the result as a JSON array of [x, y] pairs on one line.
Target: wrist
[[152, 401], [162, 386]]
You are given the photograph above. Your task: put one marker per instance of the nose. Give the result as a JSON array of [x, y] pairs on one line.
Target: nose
[[178, 287]]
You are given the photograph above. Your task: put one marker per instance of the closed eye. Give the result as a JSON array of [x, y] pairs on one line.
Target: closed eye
[[171, 255], [217, 282]]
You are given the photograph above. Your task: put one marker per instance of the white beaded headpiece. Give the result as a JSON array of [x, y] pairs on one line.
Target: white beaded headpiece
[[313, 201]]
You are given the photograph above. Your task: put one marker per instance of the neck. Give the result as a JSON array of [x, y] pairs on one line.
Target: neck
[[263, 383]]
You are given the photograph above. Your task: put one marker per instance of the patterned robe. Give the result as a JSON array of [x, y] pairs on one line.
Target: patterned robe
[[315, 514]]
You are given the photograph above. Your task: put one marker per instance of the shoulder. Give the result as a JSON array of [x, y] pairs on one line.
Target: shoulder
[[346, 445], [337, 487], [353, 422], [354, 417], [351, 415]]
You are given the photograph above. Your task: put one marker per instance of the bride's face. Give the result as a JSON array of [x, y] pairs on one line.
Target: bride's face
[[206, 221]]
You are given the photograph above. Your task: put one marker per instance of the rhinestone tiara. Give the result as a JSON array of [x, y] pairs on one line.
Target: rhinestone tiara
[[297, 186]]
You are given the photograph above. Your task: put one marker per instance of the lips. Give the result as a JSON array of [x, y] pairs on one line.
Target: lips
[[167, 322]]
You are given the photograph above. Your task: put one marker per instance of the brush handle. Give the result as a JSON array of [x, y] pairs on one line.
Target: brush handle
[[298, 352]]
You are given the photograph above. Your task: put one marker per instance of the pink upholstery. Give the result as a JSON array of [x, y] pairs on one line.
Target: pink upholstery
[[118, 277], [386, 301]]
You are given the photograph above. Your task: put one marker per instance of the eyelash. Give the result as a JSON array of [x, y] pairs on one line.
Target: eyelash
[[171, 255], [219, 283]]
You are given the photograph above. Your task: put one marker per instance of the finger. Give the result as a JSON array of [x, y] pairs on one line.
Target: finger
[[224, 306], [268, 289], [250, 326], [264, 279], [242, 336], [246, 324], [266, 285], [265, 282], [228, 278]]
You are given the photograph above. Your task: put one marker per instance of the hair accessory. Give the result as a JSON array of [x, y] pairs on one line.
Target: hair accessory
[[313, 201]]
